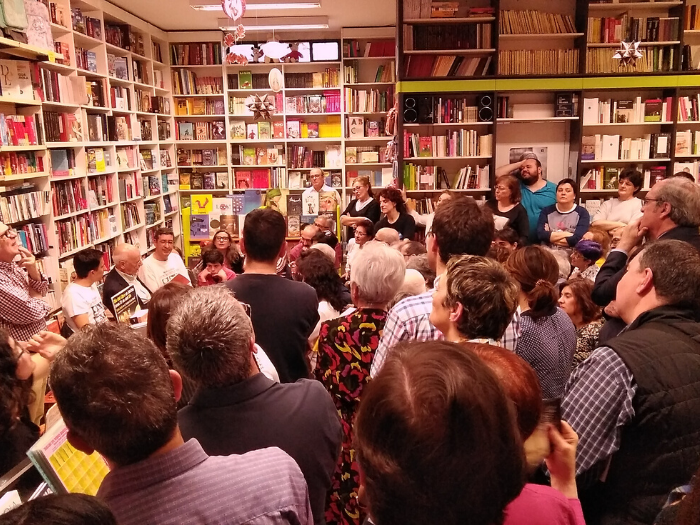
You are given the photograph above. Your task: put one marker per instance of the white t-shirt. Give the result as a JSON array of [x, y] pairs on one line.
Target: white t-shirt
[[78, 300], [155, 273], [619, 211], [326, 187]]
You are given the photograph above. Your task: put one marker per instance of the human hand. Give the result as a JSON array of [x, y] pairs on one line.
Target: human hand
[[561, 461], [222, 275], [202, 276], [28, 260], [46, 344], [632, 236]]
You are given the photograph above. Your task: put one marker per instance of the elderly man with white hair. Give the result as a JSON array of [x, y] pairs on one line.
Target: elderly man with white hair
[[388, 236], [127, 261]]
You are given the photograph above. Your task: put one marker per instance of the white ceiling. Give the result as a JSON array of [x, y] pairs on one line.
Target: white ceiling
[[177, 15]]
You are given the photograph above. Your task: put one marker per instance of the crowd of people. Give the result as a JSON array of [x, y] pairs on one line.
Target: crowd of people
[[526, 364]]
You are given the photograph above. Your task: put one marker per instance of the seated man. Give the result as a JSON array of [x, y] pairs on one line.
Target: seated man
[[118, 398], [475, 300], [127, 262], [635, 403], [211, 340]]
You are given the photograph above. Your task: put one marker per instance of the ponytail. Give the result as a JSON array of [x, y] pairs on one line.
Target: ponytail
[[542, 298], [537, 271]]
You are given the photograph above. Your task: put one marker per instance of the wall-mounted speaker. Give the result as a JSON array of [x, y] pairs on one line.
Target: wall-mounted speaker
[[485, 108], [410, 110]]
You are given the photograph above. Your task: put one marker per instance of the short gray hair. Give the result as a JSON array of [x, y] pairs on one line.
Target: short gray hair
[[325, 249], [378, 272], [684, 198], [209, 337]]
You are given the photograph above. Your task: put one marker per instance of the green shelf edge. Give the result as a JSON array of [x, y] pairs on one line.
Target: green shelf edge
[[547, 84]]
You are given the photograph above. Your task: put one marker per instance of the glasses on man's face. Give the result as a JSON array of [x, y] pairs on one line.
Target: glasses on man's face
[[10, 233], [648, 200]]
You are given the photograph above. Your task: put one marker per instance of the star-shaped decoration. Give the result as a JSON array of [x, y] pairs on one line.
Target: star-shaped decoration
[[262, 107], [628, 54]]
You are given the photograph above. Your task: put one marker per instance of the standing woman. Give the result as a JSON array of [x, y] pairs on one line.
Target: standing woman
[[548, 338], [506, 203], [363, 206], [426, 219], [394, 214], [564, 223]]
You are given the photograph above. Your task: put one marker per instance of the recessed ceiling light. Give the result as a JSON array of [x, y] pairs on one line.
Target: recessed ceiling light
[[259, 5], [275, 23]]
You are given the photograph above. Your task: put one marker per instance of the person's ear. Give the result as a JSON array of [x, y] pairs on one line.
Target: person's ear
[[456, 311], [283, 250], [646, 284], [354, 293], [176, 380], [78, 443], [665, 209], [241, 245], [253, 348]]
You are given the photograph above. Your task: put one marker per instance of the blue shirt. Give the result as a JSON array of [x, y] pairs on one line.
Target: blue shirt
[[535, 201], [552, 220]]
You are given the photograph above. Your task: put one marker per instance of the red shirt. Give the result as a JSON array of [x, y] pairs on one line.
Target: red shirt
[[210, 280]]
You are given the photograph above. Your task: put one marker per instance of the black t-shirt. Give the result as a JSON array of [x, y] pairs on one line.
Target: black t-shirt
[[284, 313], [370, 210], [517, 218], [405, 225]]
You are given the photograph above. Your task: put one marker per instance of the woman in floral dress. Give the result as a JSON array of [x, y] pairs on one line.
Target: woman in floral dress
[[346, 348]]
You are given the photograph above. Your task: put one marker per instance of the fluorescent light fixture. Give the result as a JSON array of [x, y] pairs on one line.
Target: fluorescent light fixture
[[259, 5], [276, 23]]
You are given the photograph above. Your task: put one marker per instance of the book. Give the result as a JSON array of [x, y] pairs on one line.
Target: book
[[251, 132], [312, 130], [294, 205], [652, 110], [199, 227], [126, 304], [264, 130], [245, 80], [184, 181], [64, 468], [334, 157], [293, 129], [249, 157], [278, 129], [293, 225], [356, 127], [238, 130], [311, 203]]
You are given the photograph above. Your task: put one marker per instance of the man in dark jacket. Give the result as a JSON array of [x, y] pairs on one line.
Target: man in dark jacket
[[127, 261], [237, 409], [635, 403]]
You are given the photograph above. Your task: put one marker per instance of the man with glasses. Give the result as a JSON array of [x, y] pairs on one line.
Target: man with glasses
[[22, 311], [671, 210], [163, 265], [318, 185]]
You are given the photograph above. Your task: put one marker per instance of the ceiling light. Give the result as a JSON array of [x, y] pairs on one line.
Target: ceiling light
[[275, 23], [260, 5]]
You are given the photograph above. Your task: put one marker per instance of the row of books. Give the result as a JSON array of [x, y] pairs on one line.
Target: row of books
[[86, 25], [378, 177], [62, 127], [246, 79], [257, 156], [85, 60], [201, 130], [365, 101], [18, 130], [629, 111], [100, 191], [151, 184], [200, 106], [117, 67], [419, 177], [421, 9], [129, 187], [689, 108], [34, 237], [203, 181], [656, 58], [185, 82], [328, 102], [615, 147], [152, 213], [375, 48], [359, 127], [68, 197], [30, 204], [633, 29], [423, 66], [365, 154], [239, 105], [446, 37], [123, 36], [532, 22], [262, 130], [458, 143], [20, 163], [608, 177], [259, 178], [687, 143], [195, 54], [446, 110], [120, 98], [203, 157], [130, 215], [328, 78], [538, 61], [303, 157], [384, 73]]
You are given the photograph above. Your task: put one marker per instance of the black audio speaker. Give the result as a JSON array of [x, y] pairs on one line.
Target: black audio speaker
[[410, 110], [485, 108]]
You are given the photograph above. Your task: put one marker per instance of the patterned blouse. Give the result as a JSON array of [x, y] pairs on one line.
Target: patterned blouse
[[587, 340], [346, 348]]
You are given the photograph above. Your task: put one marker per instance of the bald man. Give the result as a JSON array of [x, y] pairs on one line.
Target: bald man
[[127, 261], [387, 235]]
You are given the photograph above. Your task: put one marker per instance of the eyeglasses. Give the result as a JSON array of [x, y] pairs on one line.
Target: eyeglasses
[[360, 234], [221, 238], [10, 233], [647, 201]]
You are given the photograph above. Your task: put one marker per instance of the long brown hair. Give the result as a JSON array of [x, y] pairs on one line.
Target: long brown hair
[[15, 394], [582, 289], [537, 272], [160, 306]]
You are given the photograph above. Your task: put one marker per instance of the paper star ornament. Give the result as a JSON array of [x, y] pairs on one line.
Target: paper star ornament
[[628, 54]]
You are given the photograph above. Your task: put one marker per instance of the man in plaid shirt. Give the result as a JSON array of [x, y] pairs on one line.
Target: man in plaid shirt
[[22, 311], [460, 227]]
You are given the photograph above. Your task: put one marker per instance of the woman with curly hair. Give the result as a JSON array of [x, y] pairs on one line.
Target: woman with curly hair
[[576, 301], [395, 214], [17, 432]]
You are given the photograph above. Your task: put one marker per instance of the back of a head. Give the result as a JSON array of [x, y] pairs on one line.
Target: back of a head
[[160, 307], [684, 198], [114, 391], [422, 264], [209, 337], [377, 273], [519, 381], [601, 237], [264, 232], [324, 249], [562, 259], [487, 292], [387, 235], [410, 248], [590, 250], [317, 269], [462, 227], [437, 440], [60, 509], [537, 271], [675, 266], [413, 283]]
